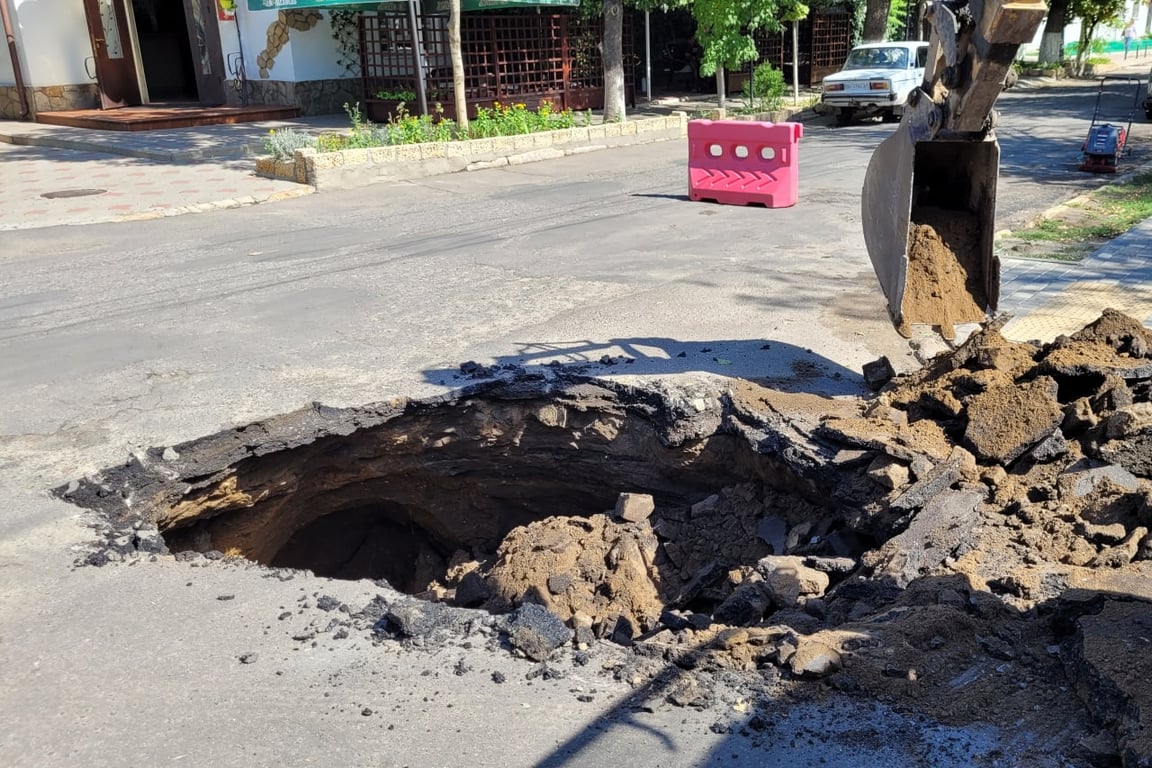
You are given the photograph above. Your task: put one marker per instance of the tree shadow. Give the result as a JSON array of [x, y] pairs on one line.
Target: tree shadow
[[776, 364]]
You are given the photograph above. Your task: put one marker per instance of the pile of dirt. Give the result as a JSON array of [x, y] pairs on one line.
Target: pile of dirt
[[999, 506], [944, 285]]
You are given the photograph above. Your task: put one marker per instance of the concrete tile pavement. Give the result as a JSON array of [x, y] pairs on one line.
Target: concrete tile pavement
[[52, 175], [1049, 298]]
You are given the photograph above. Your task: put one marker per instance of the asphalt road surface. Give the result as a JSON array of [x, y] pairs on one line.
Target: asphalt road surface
[[119, 337]]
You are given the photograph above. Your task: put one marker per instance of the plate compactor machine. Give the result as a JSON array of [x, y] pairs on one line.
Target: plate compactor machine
[[1106, 142], [929, 199]]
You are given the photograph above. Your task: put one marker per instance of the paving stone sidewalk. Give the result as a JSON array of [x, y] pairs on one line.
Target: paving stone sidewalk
[[1049, 298], [46, 186]]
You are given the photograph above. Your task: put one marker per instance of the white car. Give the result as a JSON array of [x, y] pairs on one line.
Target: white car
[[876, 79]]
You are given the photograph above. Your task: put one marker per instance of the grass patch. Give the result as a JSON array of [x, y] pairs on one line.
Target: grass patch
[[1101, 214]]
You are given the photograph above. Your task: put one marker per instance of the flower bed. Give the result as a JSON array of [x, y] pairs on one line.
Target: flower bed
[[350, 168]]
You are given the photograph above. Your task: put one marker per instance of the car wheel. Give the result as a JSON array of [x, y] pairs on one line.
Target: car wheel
[[844, 116], [1148, 114]]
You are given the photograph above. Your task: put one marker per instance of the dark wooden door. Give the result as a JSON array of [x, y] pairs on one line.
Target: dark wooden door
[[112, 53], [207, 57]]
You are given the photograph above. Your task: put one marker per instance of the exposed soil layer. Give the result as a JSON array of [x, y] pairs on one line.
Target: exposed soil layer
[[972, 543], [945, 284]]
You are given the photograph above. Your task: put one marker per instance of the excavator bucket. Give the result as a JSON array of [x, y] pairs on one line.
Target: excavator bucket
[[928, 211], [929, 197]]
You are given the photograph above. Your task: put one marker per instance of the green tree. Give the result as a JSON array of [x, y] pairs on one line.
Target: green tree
[[724, 31], [1092, 13], [898, 20]]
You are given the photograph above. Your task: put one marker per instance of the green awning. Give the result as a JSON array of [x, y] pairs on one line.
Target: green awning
[[428, 6]]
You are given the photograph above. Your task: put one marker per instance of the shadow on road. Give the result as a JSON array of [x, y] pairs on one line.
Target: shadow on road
[[775, 364]]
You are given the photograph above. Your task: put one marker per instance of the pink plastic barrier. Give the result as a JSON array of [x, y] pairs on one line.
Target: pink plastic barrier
[[740, 162]]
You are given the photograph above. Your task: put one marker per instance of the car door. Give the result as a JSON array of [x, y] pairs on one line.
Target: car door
[[921, 61]]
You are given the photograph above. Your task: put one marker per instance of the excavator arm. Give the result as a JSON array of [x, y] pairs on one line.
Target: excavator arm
[[929, 199]]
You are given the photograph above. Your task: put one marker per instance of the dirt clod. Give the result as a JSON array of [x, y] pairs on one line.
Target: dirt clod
[[944, 282]]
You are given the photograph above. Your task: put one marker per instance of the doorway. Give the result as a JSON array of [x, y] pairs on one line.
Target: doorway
[[156, 51], [165, 55]]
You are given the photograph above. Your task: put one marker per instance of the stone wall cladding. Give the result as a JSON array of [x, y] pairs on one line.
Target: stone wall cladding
[[10, 102], [327, 97], [48, 98], [353, 168], [313, 97]]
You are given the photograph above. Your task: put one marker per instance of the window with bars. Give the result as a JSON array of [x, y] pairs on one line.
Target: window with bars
[[509, 57], [824, 37]]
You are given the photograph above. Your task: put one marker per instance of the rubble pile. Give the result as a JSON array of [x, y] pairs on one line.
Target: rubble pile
[[972, 542], [998, 505]]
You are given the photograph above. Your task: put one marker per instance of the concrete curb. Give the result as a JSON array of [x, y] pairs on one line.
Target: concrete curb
[[217, 205], [352, 168]]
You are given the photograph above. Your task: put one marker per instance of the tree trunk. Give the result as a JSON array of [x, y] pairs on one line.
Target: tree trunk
[[1082, 49], [876, 21], [922, 30], [459, 93], [1148, 20], [1052, 43], [720, 88], [612, 53]]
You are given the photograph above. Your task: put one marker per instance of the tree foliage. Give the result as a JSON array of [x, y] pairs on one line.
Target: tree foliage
[[724, 28], [1092, 13], [898, 20]]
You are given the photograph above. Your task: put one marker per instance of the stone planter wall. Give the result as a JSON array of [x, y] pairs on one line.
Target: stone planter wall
[[352, 168], [1056, 74]]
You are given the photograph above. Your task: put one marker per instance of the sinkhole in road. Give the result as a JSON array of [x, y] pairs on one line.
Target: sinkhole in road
[[511, 493]]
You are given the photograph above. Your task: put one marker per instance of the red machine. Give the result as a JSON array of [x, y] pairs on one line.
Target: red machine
[[1106, 142]]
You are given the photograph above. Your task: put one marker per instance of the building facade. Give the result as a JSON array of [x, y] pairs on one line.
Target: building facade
[[84, 54]]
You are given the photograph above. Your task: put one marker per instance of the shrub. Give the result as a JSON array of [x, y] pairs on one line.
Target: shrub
[[516, 119], [768, 87], [396, 95], [405, 128], [282, 143]]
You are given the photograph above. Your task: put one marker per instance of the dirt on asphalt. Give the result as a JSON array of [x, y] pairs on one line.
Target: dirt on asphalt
[[972, 543]]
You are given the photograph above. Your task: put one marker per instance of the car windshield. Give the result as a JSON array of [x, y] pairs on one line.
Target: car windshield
[[877, 58]]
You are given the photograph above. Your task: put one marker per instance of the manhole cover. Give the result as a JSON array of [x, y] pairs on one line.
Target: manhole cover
[[73, 193]]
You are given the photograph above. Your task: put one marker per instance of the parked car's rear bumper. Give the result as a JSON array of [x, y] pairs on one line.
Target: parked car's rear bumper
[[856, 101]]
